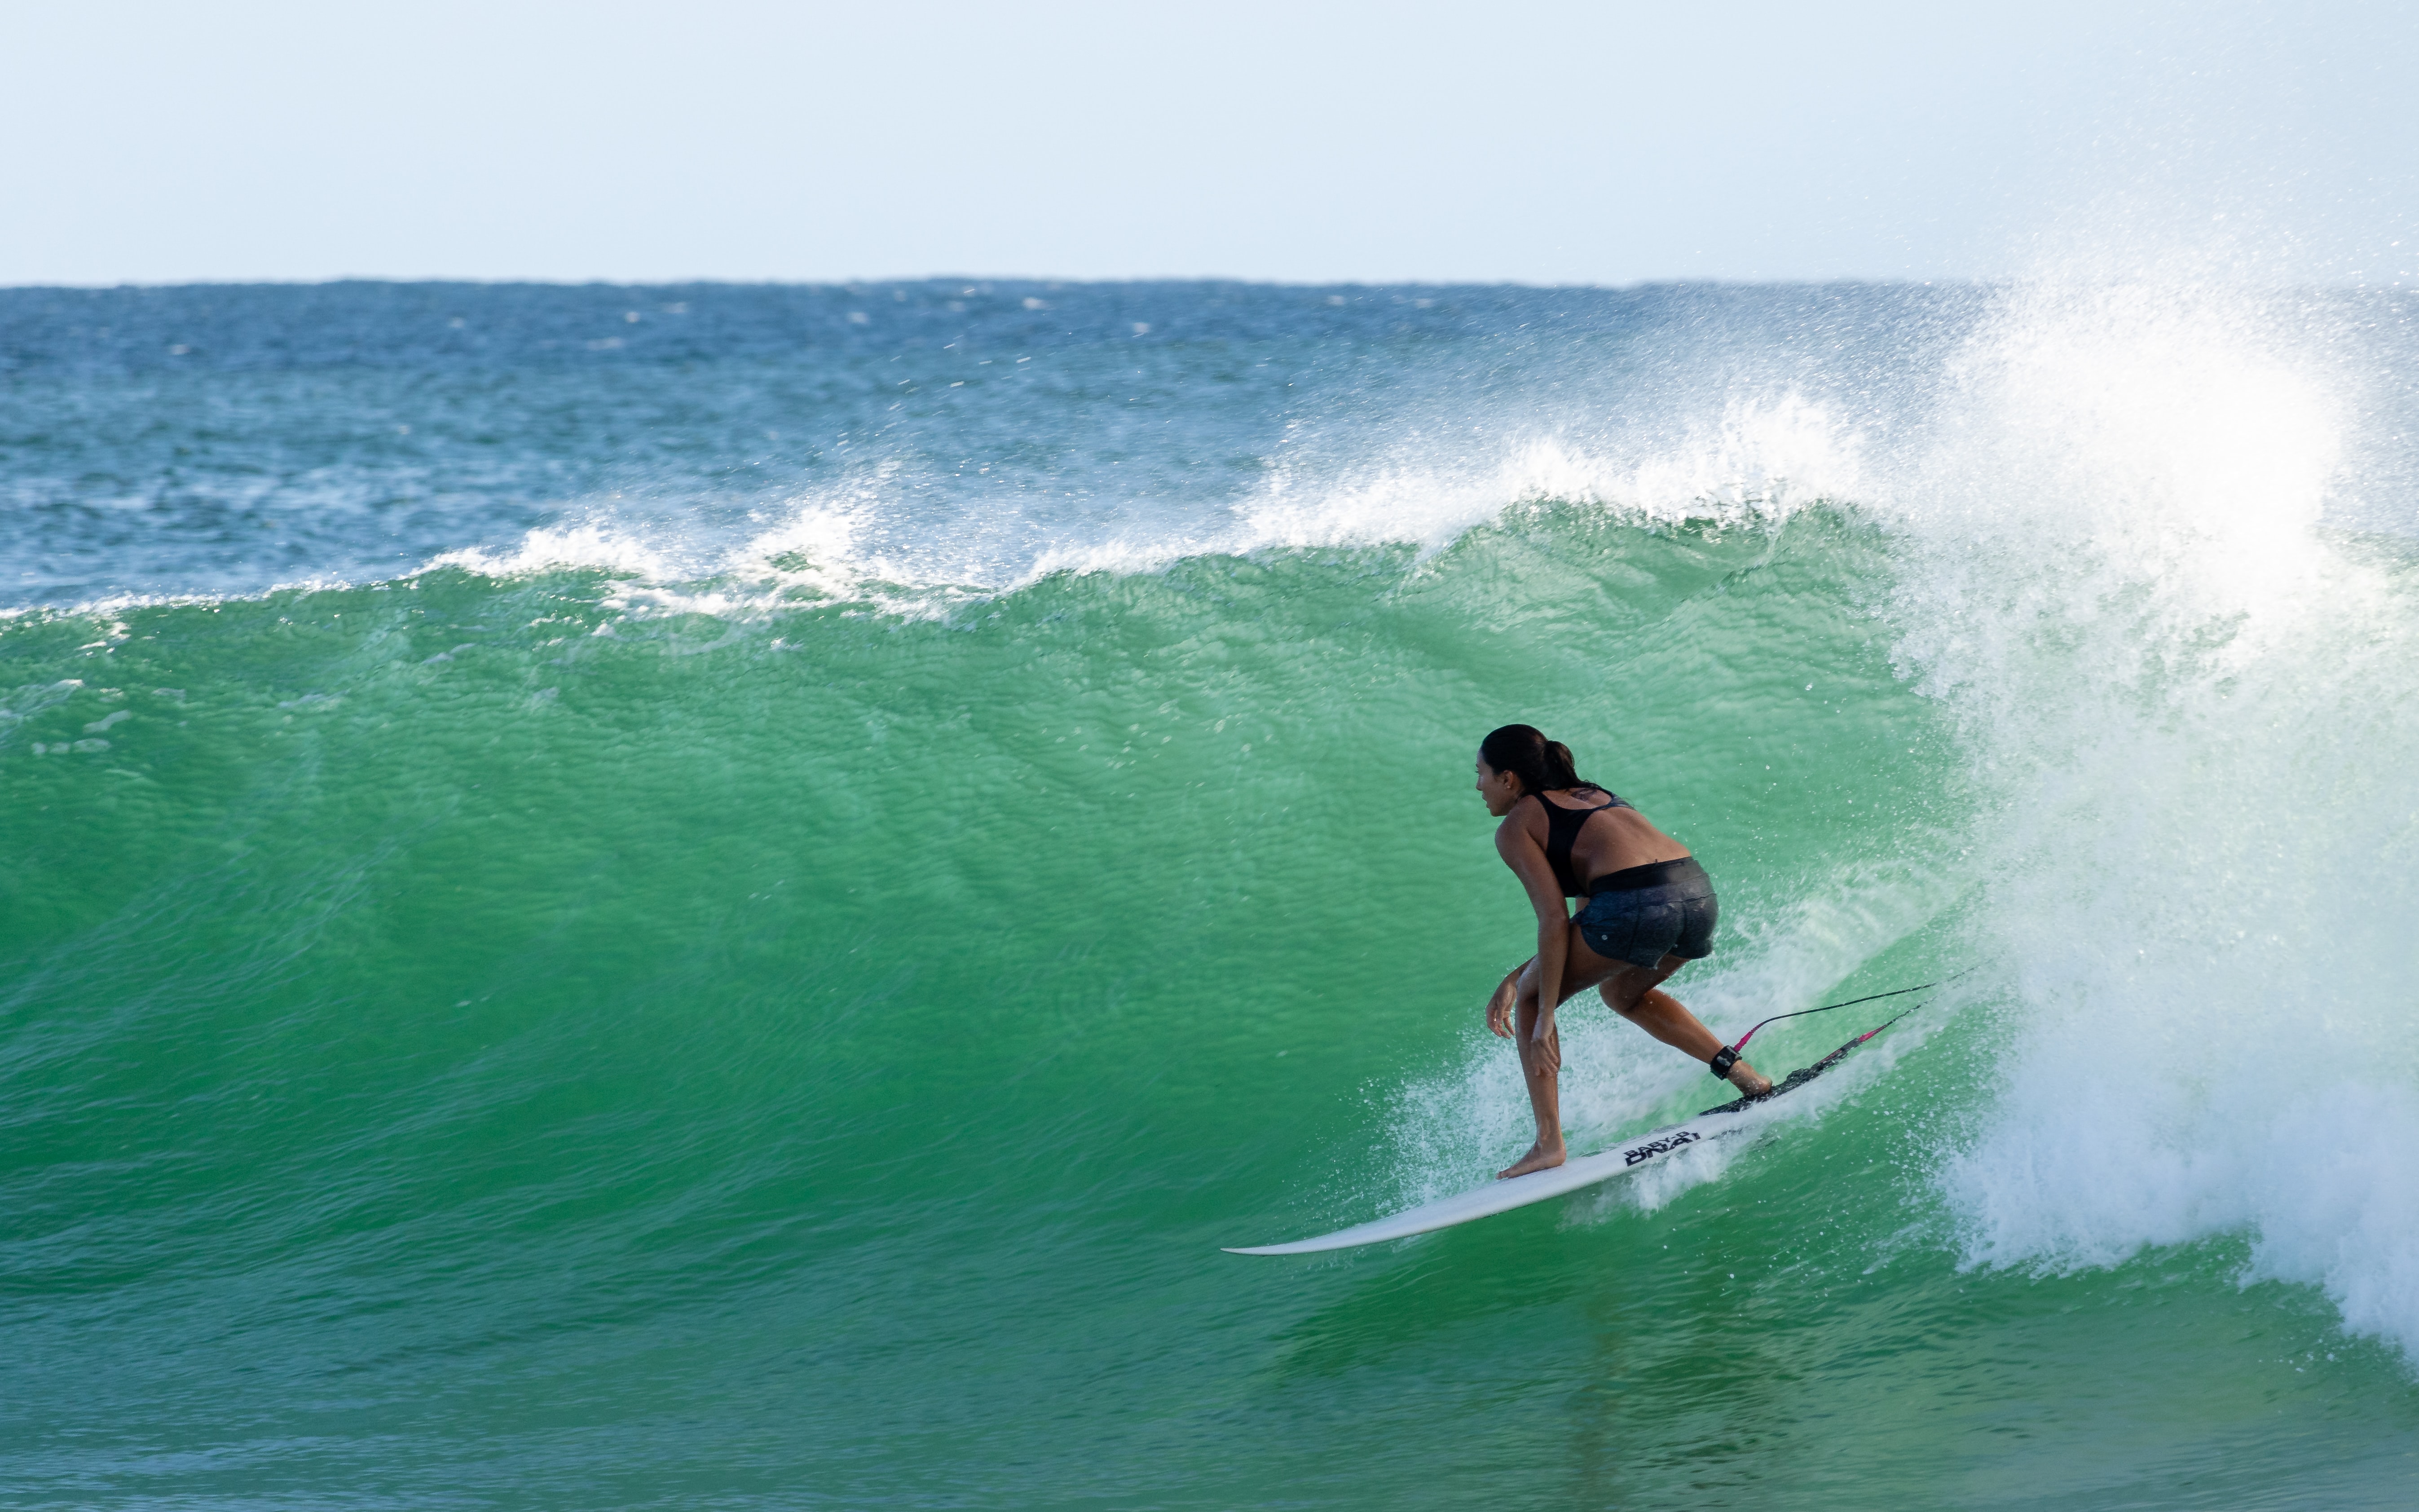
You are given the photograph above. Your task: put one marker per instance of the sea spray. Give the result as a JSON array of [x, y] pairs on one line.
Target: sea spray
[[2182, 702]]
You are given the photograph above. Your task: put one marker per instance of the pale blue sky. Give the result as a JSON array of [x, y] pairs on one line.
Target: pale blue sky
[[1598, 144]]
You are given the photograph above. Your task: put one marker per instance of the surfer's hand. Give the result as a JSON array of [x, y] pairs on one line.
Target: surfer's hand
[[1498, 1008], [1548, 1043]]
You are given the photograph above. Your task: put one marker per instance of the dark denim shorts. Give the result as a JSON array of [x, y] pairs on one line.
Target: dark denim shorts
[[1675, 916]]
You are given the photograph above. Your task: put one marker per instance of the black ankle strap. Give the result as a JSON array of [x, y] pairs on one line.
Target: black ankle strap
[[1724, 1060]]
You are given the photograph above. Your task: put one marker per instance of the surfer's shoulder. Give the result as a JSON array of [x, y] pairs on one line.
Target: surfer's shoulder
[[1521, 822]]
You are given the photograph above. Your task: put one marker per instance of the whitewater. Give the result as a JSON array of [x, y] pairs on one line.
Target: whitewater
[[723, 895]]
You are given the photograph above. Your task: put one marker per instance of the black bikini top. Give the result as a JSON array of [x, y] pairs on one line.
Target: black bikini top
[[1562, 832]]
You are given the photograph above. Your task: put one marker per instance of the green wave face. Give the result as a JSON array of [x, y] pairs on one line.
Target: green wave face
[[469, 1037]]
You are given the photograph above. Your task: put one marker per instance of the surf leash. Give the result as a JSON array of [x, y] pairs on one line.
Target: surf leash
[[1727, 1056]]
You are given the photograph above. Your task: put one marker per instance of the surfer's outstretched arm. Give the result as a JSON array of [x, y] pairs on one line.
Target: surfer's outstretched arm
[[1548, 968]]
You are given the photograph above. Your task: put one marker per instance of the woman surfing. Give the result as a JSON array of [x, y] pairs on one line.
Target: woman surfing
[[1649, 911]]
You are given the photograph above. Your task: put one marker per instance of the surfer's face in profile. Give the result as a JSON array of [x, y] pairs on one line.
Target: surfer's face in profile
[[1501, 790]]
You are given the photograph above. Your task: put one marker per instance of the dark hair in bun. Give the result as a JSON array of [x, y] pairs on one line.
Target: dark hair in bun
[[1542, 766]]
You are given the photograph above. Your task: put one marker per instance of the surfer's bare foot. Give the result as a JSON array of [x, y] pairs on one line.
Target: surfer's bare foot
[[1750, 1080], [1541, 1157]]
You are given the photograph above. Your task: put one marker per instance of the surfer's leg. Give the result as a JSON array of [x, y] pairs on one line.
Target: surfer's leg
[[1645, 935], [1541, 1068], [1636, 994], [1541, 1063]]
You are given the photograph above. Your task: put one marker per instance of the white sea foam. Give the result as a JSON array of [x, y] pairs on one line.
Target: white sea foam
[[866, 542], [2191, 716], [595, 545], [1757, 457]]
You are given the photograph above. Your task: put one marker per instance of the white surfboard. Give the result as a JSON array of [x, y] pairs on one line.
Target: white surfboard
[[1587, 1170]]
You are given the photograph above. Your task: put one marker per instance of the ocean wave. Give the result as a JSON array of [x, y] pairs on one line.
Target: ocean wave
[[2166, 807]]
